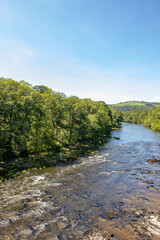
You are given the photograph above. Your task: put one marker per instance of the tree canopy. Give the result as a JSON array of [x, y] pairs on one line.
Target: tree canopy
[[131, 105], [36, 119], [149, 118]]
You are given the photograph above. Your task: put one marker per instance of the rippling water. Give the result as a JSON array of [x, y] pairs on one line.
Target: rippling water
[[115, 189]]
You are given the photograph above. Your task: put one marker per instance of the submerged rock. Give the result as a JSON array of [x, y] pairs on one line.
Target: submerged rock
[[123, 212], [48, 236], [97, 233], [111, 215], [62, 225]]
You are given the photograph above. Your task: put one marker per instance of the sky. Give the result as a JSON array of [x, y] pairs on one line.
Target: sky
[[107, 50]]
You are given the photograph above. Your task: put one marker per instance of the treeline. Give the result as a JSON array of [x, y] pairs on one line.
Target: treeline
[[149, 118], [36, 120], [131, 105]]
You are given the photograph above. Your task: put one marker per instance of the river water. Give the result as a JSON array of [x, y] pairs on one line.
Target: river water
[[115, 189]]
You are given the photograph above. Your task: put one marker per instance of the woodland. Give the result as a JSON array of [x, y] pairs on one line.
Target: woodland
[[148, 117], [40, 127]]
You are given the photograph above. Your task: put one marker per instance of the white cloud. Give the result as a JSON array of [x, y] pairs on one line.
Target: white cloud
[[155, 99]]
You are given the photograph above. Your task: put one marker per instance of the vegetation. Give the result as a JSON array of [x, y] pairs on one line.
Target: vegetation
[[117, 138], [149, 118], [39, 127], [128, 106]]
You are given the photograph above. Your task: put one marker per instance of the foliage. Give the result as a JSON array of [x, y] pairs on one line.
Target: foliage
[[149, 118], [36, 120], [117, 117], [131, 105]]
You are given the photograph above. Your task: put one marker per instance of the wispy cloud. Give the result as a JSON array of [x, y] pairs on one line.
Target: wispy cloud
[[13, 53], [155, 99], [28, 52], [75, 78]]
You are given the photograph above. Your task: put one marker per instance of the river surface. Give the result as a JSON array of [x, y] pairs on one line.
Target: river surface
[[114, 189]]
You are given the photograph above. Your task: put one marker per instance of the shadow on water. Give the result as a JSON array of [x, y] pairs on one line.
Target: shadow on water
[[113, 193]]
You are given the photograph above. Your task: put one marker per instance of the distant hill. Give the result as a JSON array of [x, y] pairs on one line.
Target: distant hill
[[127, 106]]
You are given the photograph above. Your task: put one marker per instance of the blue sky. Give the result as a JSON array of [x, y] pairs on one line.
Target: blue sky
[[104, 50]]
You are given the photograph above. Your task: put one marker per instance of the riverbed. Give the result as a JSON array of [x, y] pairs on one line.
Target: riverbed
[[113, 191]]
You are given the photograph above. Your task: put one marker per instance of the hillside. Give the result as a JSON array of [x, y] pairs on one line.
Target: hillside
[[148, 117], [127, 106]]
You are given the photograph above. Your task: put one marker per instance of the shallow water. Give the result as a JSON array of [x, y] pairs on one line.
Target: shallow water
[[108, 189]]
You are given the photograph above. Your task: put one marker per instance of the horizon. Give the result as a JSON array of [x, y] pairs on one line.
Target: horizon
[[87, 97], [106, 51]]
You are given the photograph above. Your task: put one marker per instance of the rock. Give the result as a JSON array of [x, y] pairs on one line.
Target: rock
[[154, 160], [62, 225], [138, 213], [147, 211], [139, 178], [152, 171], [102, 220], [97, 233], [111, 215], [117, 138], [8, 237], [149, 226], [148, 172], [48, 236], [123, 212], [148, 182], [121, 203]]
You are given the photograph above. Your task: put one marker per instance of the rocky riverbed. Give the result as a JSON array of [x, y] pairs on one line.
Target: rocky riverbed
[[112, 194]]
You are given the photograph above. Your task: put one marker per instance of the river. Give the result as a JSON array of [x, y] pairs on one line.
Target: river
[[114, 190]]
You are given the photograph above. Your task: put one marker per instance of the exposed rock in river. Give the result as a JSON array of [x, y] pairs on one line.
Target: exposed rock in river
[[154, 160], [97, 233], [149, 182], [148, 227]]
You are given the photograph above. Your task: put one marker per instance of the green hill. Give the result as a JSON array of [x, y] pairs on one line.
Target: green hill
[[127, 106]]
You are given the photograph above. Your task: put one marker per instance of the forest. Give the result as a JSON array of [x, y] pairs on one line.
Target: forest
[[131, 105], [40, 127], [148, 117]]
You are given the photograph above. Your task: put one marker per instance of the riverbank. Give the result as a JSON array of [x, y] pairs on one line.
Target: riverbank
[[147, 117], [68, 155], [113, 193]]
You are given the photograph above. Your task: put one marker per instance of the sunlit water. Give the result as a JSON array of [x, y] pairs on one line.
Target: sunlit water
[[103, 190]]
